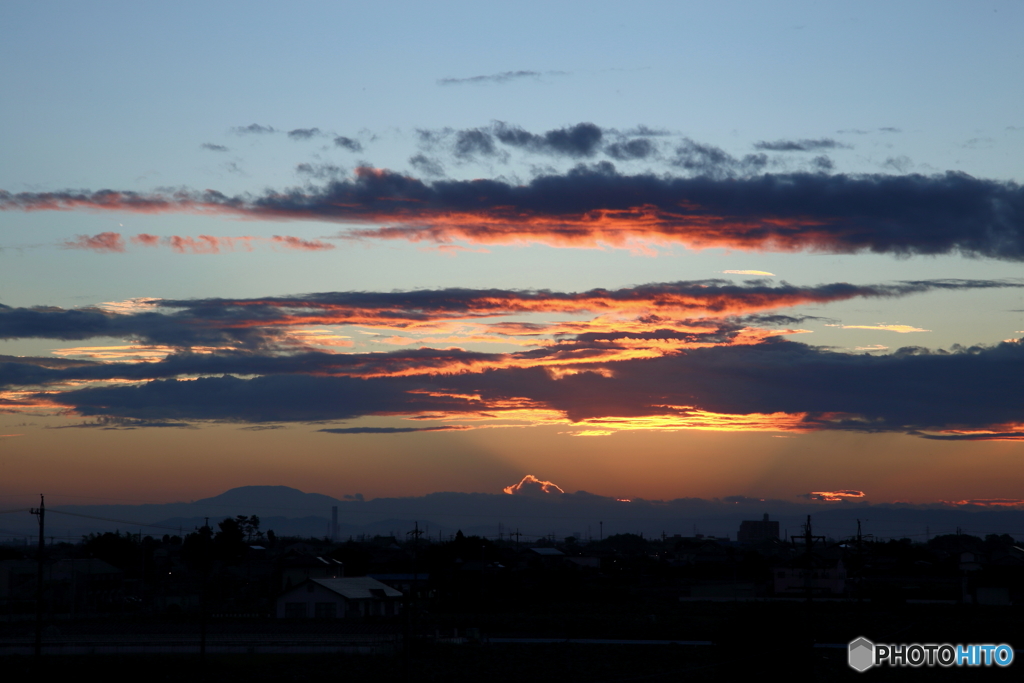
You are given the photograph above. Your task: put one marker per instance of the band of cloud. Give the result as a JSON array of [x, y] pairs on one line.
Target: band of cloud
[[908, 391], [591, 207]]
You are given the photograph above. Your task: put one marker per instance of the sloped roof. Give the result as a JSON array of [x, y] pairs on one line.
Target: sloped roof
[[359, 588]]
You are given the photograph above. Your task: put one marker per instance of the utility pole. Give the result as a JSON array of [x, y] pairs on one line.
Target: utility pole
[[809, 558], [860, 564], [415, 533], [860, 561], [415, 547], [41, 512]]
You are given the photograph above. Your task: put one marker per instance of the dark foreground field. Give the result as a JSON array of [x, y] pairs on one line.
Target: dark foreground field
[[492, 664], [742, 641]]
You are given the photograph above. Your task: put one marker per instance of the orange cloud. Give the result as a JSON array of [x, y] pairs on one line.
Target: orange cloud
[[988, 502], [146, 240], [678, 418], [638, 228], [128, 353], [646, 305], [21, 401], [835, 495], [128, 306], [635, 365], [315, 337], [203, 244], [902, 329], [1009, 431], [301, 244], [110, 242], [531, 486], [207, 244]]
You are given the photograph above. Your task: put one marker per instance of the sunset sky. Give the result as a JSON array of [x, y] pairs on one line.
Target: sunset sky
[[679, 250]]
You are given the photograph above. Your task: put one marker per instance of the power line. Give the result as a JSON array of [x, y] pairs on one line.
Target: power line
[[116, 521]]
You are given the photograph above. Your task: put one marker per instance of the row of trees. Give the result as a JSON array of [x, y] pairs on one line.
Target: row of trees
[[199, 549]]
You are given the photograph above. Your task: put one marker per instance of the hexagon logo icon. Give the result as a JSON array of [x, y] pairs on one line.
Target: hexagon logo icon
[[861, 654]]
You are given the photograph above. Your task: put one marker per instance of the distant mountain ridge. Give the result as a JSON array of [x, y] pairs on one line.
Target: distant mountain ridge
[[269, 497], [289, 511]]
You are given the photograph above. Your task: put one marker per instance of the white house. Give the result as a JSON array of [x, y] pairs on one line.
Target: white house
[[349, 598]]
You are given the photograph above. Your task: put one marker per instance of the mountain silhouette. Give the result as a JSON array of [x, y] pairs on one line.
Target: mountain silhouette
[[290, 511], [280, 499]]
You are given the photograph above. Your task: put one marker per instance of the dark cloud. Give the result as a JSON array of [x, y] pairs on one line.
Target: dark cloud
[[46, 362], [637, 148], [822, 164], [253, 128], [713, 162], [348, 143], [272, 398], [474, 142], [777, 320], [214, 148], [900, 164], [429, 138], [426, 165], [696, 156], [53, 323], [912, 390], [818, 145], [258, 323], [719, 207], [581, 140], [979, 436], [698, 295], [258, 329], [123, 423], [502, 77], [320, 171], [153, 328], [304, 133], [646, 131], [859, 131], [422, 361], [979, 143]]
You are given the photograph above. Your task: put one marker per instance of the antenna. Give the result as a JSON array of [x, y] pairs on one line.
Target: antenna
[[41, 512]]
